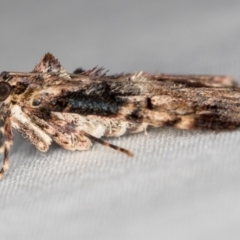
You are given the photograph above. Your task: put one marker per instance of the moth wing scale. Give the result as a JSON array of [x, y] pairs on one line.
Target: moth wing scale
[[50, 64]]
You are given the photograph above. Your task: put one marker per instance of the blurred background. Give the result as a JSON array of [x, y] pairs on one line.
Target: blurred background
[[180, 184]]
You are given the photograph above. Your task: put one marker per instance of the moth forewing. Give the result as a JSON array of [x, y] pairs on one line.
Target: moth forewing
[[74, 109]]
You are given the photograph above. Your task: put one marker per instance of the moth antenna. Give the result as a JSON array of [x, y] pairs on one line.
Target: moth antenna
[[107, 144]]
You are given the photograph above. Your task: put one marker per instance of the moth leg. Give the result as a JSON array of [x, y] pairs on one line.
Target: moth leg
[[29, 130], [80, 138], [63, 140], [107, 144], [60, 128], [70, 127], [5, 159], [7, 138]]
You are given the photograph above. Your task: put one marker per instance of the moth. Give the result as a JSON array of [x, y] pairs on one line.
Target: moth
[[50, 104]]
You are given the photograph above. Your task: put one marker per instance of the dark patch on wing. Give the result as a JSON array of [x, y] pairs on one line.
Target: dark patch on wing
[[214, 121], [96, 106], [79, 71], [97, 99], [135, 116], [149, 103], [20, 87], [40, 112], [36, 102]]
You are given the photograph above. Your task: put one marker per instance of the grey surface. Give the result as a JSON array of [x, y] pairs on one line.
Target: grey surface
[[180, 184]]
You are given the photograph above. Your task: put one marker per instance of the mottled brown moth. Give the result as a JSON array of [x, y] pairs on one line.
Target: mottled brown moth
[[74, 109]]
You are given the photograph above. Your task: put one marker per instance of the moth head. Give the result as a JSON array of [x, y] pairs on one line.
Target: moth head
[[5, 90]]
